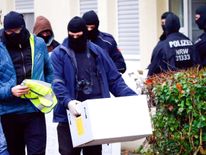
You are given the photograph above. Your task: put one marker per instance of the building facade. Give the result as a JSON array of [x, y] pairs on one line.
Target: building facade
[[135, 24]]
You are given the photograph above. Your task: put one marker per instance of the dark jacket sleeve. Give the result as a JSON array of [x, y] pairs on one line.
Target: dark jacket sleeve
[[200, 48], [117, 57], [196, 57], [58, 84], [156, 60]]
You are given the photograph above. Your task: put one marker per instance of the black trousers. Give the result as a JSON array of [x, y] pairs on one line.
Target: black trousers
[[65, 143], [25, 130]]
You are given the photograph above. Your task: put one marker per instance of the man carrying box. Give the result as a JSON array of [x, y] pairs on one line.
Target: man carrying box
[[81, 71]]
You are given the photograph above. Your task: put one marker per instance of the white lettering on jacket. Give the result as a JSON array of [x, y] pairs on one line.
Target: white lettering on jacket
[[182, 55], [180, 43]]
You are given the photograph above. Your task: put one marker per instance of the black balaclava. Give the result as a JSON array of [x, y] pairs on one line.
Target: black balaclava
[[77, 24], [48, 38], [201, 22], [15, 20], [91, 18], [172, 24], [164, 16]]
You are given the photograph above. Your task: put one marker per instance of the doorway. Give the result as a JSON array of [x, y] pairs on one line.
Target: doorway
[[180, 8]]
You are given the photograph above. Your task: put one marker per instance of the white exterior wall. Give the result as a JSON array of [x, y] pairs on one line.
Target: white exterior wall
[[60, 12], [6, 6], [148, 30]]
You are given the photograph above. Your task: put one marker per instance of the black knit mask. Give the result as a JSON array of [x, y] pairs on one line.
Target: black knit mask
[[14, 39], [164, 16], [91, 18], [201, 22], [172, 24], [78, 44], [92, 35]]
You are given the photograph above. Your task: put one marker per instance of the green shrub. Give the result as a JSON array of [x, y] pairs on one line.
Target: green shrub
[[180, 119]]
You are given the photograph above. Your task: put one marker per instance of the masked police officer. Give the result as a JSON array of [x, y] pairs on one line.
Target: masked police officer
[[42, 28], [23, 56], [175, 52], [200, 44], [104, 40], [81, 71], [162, 36]]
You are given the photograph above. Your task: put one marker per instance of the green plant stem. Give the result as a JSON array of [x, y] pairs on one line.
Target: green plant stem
[[200, 143], [200, 137], [198, 149], [190, 128]]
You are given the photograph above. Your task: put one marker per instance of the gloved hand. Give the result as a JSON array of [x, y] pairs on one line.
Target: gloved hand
[[72, 105]]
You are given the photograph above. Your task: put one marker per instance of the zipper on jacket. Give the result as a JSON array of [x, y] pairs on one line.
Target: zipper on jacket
[[22, 57]]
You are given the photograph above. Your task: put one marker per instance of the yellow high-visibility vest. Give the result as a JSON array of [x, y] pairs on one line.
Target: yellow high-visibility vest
[[40, 94], [31, 40]]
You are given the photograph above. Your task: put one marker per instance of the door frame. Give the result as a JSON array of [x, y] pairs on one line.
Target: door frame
[[185, 29]]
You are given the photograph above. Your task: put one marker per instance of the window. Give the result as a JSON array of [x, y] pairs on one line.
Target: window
[[86, 5], [128, 27], [26, 7], [176, 6]]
